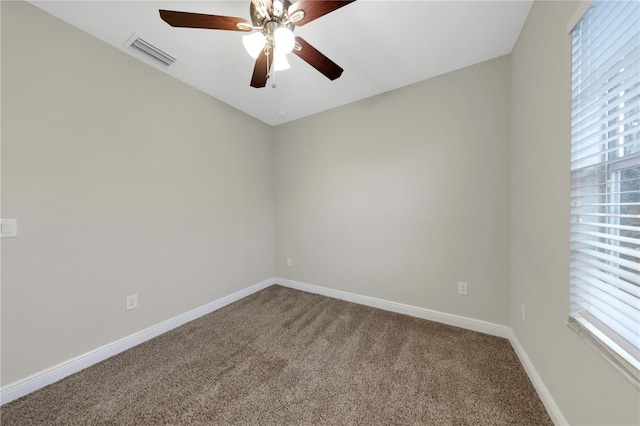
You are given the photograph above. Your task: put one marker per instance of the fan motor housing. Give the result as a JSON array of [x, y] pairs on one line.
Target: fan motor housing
[[277, 12]]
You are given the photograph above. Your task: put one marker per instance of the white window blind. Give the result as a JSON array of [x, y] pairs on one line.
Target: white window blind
[[605, 181]]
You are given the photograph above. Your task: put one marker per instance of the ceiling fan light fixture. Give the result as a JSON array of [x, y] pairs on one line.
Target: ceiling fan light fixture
[[273, 22], [254, 43], [284, 40]]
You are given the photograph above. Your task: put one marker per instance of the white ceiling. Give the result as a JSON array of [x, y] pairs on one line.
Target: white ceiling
[[382, 45]]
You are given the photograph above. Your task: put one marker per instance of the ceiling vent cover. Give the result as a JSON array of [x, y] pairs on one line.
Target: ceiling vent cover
[[150, 51]]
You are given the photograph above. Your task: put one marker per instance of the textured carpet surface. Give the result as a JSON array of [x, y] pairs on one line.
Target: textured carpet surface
[[281, 356]]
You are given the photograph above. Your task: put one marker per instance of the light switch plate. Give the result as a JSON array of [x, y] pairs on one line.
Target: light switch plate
[[9, 228]]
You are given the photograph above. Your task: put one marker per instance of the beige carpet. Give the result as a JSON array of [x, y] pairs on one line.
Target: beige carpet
[[282, 356]]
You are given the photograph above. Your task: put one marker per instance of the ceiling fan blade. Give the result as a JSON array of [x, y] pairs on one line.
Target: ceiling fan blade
[[313, 57], [261, 69], [314, 9], [199, 20]]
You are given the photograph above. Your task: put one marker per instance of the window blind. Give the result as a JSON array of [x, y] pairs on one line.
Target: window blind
[[605, 180]]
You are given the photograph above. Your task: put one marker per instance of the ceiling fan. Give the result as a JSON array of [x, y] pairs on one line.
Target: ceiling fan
[[274, 22]]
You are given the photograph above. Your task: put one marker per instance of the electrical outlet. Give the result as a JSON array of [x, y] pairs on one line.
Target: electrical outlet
[[462, 288], [132, 302], [522, 311], [289, 261]]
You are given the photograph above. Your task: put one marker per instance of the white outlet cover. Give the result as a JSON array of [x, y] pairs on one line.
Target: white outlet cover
[[131, 302], [463, 288]]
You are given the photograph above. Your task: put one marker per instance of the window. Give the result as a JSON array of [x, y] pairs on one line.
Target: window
[[605, 181]]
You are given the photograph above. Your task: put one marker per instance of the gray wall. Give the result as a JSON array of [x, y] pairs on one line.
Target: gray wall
[[402, 195], [124, 181], [584, 385]]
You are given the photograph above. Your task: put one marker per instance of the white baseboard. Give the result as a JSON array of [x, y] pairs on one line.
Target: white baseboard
[[401, 308], [57, 372], [549, 403], [458, 321]]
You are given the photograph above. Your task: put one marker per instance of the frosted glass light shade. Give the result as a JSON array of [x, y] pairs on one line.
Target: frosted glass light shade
[[254, 43], [284, 40], [280, 62]]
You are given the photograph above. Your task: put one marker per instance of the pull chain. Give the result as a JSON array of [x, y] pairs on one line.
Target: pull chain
[[273, 84]]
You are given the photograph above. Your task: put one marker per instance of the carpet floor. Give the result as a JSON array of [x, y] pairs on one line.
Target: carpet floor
[[286, 357]]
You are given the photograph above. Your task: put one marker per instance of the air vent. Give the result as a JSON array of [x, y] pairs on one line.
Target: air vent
[[150, 51]]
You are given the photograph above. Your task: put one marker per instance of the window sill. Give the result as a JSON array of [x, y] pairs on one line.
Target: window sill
[[625, 368]]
